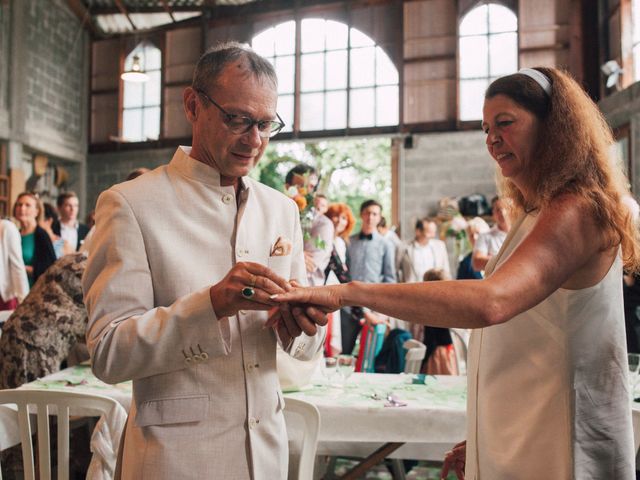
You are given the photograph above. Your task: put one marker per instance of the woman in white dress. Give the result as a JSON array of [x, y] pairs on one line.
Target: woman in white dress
[[547, 391]]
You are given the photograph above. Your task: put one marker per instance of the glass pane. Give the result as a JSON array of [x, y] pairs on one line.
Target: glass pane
[[472, 98], [359, 39], [312, 72], [387, 106], [151, 123], [474, 22], [132, 125], [285, 68], [285, 110], [285, 38], [264, 42], [312, 35], [152, 89], [152, 58], [473, 57], [133, 94], [362, 67], [386, 72], [337, 35], [501, 19], [336, 107], [503, 54], [336, 69], [361, 105], [312, 111]]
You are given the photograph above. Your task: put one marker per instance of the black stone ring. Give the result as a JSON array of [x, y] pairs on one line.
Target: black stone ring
[[247, 292]]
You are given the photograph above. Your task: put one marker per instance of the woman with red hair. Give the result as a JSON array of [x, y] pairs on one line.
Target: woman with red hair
[[336, 272]]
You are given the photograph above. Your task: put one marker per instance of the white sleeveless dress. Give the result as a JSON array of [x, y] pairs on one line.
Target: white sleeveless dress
[[547, 392]]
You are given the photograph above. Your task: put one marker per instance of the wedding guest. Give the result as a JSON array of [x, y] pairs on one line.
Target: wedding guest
[[68, 227], [14, 285], [337, 272], [425, 252], [547, 364], [389, 235], [475, 227], [60, 246], [488, 244], [37, 250]]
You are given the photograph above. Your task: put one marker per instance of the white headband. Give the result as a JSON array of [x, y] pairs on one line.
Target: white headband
[[540, 78]]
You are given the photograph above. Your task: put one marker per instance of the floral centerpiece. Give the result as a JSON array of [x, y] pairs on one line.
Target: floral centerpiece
[[303, 196]]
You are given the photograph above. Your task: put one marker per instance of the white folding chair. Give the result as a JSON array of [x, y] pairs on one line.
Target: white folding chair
[[303, 425], [460, 339], [63, 401], [416, 352]]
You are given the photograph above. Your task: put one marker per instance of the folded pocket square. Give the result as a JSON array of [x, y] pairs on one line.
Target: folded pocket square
[[282, 247]]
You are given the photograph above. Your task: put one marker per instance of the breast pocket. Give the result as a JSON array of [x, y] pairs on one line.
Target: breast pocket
[[281, 265]]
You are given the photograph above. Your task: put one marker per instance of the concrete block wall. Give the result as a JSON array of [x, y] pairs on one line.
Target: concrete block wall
[[451, 164], [107, 169], [44, 87]]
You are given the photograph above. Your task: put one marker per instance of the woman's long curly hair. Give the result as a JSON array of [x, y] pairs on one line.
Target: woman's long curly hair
[[572, 156]]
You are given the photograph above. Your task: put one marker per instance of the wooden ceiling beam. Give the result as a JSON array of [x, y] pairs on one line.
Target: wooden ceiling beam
[[83, 15], [167, 9], [123, 11]]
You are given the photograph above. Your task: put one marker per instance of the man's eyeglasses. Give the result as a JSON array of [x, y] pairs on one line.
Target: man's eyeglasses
[[239, 124]]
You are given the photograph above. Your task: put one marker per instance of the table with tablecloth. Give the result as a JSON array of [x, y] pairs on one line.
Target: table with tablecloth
[[354, 420]]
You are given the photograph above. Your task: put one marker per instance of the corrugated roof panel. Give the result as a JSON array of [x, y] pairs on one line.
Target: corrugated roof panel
[[113, 23], [143, 21]]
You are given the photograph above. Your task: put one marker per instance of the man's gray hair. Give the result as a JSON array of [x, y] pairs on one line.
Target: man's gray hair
[[213, 61]]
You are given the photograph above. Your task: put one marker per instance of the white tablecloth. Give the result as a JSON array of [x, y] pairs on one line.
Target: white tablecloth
[[352, 422]]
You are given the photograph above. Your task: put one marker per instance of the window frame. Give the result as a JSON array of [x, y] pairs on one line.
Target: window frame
[[121, 108], [296, 132], [469, 7]]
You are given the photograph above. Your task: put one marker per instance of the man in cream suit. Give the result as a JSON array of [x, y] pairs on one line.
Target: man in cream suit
[[182, 265], [424, 253]]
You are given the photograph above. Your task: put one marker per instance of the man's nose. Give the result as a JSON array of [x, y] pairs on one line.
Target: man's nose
[[252, 137]]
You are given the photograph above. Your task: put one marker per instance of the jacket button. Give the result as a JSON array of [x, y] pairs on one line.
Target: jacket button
[[187, 360], [226, 198], [240, 252], [253, 423], [204, 356]]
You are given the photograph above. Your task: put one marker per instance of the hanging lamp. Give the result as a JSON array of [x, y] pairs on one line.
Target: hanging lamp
[[135, 73]]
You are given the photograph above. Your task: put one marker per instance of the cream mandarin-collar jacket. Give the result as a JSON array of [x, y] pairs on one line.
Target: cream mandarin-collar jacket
[[206, 397]]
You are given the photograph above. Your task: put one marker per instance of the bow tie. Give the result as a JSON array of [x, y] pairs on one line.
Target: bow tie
[[364, 236]]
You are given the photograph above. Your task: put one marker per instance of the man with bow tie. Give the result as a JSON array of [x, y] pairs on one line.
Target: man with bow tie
[[183, 263], [371, 258]]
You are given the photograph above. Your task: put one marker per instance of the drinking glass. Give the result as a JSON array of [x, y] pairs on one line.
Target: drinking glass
[[346, 366], [634, 371], [330, 369]]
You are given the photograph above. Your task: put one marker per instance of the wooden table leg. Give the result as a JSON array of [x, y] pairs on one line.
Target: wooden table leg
[[372, 460]]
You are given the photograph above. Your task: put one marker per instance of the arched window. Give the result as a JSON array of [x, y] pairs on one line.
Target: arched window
[[488, 49], [141, 101], [346, 80]]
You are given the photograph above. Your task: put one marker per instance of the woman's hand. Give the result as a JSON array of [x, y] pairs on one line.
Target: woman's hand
[[326, 299], [454, 460]]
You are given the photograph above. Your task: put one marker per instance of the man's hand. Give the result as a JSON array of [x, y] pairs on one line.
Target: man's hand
[[226, 295], [290, 321], [309, 264]]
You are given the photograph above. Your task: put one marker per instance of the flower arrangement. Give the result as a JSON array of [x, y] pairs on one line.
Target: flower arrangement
[[303, 196], [456, 228]]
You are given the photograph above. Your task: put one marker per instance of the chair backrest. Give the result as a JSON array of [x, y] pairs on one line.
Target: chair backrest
[[371, 340], [416, 352], [460, 339], [298, 413], [41, 400]]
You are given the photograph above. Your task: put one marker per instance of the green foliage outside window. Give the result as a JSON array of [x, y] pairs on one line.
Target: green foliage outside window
[[351, 171]]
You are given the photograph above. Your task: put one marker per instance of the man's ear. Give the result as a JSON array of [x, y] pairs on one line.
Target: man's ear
[[190, 101]]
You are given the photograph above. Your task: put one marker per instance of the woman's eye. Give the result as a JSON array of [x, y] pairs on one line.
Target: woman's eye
[[504, 123]]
